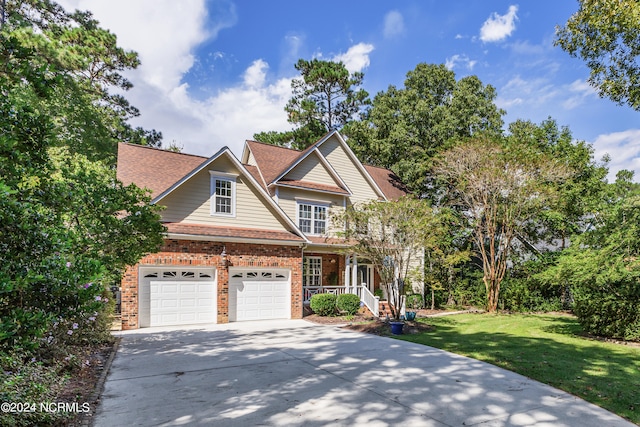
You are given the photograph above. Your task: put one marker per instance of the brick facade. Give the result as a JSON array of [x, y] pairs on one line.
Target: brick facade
[[207, 254]]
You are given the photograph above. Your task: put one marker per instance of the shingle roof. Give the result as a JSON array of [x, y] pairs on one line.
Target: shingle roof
[[313, 186], [271, 159], [231, 232], [158, 169], [153, 168], [388, 182]]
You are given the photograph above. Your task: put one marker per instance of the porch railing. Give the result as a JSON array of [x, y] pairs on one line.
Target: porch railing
[[362, 291], [371, 301]]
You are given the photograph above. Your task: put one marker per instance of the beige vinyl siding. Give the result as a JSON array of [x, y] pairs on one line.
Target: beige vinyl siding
[[348, 171], [191, 202], [311, 169], [289, 204], [251, 160]]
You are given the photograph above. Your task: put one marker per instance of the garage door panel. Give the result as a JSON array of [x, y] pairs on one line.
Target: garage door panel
[[182, 302], [259, 295]]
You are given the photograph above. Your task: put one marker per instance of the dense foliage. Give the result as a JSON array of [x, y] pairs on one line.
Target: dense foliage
[[499, 186], [67, 226], [603, 269], [406, 128], [606, 35]]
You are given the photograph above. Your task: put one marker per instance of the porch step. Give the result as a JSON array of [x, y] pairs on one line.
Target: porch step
[[384, 309]]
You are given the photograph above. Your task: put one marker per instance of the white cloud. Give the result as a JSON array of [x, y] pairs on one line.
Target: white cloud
[[356, 58], [580, 90], [624, 150], [393, 24], [255, 75], [498, 27], [457, 60], [165, 34], [534, 92]]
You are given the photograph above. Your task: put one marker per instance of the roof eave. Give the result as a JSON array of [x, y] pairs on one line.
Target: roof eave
[[206, 237]]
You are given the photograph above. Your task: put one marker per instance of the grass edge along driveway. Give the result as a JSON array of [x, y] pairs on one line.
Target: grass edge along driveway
[[547, 348]]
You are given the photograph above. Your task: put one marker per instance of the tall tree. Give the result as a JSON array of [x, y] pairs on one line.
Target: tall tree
[[499, 187], [88, 65], [578, 194], [606, 35], [67, 226], [406, 127], [325, 98]]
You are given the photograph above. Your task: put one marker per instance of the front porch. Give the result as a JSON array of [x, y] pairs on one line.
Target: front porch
[[341, 274]]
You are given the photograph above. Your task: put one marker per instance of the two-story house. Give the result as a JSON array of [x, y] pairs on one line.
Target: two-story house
[[248, 239]]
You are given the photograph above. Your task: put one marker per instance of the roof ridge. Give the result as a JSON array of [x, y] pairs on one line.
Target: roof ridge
[[164, 150], [273, 146]]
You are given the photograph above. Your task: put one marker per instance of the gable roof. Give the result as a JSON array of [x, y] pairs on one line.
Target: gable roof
[[153, 168], [144, 168], [356, 161], [270, 159], [274, 162]]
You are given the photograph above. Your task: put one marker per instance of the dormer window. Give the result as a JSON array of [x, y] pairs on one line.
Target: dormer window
[[312, 218], [223, 194]]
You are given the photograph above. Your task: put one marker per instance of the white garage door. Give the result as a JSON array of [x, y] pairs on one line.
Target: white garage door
[[259, 294], [177, 296]]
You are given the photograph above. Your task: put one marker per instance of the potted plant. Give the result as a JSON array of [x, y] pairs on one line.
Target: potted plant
[[396, 327], [410, 315]]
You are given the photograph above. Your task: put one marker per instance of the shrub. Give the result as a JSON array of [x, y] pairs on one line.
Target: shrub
[[603, 313], [323, 304], [526, 295], [379, 293], [23, 380], [348, 303], [414, 301]]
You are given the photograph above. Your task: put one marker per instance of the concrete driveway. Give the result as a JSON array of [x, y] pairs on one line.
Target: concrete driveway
[[294, 373]]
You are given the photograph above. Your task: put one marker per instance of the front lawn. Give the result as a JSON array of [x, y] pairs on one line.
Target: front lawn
[[547, 348]]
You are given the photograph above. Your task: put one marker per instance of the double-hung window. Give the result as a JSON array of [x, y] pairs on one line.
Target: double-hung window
[[312, 218], [223, 194], [312, 271]]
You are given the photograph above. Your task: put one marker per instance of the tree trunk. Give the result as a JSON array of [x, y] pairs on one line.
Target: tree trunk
[[493, 291]]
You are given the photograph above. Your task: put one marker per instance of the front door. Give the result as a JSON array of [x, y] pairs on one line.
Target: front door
[[365, 275]]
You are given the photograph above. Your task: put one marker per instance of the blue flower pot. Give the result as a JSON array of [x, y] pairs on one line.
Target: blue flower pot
[[410, 315], [396, 328]]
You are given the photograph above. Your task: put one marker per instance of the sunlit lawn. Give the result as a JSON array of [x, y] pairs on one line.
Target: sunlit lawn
[[547, 348]]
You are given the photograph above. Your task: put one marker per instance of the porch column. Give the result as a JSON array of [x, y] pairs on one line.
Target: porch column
[[354, 275], [347, 267]]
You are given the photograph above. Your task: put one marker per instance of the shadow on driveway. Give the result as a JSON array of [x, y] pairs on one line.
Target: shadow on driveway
[[284, 373]]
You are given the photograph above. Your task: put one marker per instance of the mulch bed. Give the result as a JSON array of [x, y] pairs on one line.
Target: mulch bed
[[371, 325], [84, 382]]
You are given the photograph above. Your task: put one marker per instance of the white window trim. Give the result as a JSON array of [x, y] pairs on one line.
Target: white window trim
[[305, 269], [221, 176], [313, 221]]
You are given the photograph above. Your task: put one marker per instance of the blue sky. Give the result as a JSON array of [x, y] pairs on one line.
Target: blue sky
[[215, 72]]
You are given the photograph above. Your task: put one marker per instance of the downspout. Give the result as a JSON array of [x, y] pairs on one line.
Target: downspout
[[303, 246]]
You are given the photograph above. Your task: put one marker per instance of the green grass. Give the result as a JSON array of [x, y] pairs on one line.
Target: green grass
[[549, 349]]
